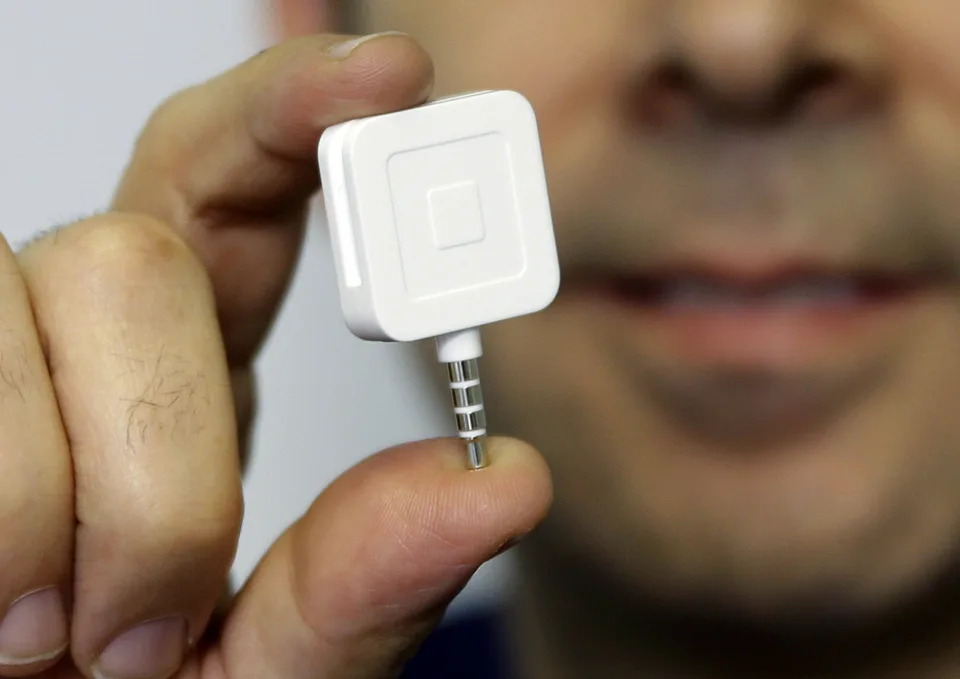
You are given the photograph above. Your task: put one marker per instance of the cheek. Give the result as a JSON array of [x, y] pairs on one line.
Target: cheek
[[901, 455], [930, 131], [921, 42], [921, 37]]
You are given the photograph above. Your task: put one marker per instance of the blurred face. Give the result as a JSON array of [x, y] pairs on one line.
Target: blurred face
[[749, 386]]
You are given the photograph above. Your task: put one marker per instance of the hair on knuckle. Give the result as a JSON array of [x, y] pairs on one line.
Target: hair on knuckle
[[170, 402]]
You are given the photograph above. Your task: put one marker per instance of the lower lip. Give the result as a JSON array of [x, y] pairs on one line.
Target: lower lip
[[767, 337]]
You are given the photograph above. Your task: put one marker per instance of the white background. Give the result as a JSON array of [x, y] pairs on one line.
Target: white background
[[78, 80]]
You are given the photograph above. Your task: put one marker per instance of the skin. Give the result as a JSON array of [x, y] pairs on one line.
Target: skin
[[685, 500], [127, 390], [130, 337]]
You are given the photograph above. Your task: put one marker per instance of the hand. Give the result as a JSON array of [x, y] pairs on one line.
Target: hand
[[126, 343]]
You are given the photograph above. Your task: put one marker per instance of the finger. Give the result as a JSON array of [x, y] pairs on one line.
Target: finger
[[128, 321], [36, 492], [231, 163], [353, 587]]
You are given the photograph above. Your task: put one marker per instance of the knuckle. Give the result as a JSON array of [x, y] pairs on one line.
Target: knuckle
[[31, 525], [15, 503], [131, 241], [36, 512], [204, 527], [110, 256], [165, 123]]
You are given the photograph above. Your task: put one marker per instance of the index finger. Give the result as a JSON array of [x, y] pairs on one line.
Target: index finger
[[230, 163]]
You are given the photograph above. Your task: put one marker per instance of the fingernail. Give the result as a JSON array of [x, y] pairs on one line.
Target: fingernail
[[342, 50], [34, 629], [153, 650]]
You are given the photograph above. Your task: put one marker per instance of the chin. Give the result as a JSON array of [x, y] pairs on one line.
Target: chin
[[770, 574], [837, 531], [750, 594]]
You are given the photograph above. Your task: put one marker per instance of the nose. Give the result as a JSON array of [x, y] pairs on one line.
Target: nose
[[759, 61]]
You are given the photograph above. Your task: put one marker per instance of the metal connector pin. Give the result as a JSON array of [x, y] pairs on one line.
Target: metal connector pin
[[464, 379]]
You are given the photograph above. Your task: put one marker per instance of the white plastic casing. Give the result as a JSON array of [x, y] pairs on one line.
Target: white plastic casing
[[439, 217]]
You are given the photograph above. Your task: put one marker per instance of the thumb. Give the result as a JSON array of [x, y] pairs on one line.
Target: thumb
[[231, 163], [354, 586]]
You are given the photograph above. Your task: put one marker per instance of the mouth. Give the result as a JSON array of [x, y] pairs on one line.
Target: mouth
[[773, 318], [692, 292], [751, 356]]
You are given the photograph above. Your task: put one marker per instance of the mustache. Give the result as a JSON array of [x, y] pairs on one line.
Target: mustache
[[844, 201]]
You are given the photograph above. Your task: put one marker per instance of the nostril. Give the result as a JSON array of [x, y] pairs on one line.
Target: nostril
[[674, 76], [667, 97], [672, 96], [824, 91]]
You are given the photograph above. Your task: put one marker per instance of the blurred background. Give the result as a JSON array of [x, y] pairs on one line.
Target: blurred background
[[79, 80]]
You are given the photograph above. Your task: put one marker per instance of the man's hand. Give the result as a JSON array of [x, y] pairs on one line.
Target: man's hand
[[126, 343]]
